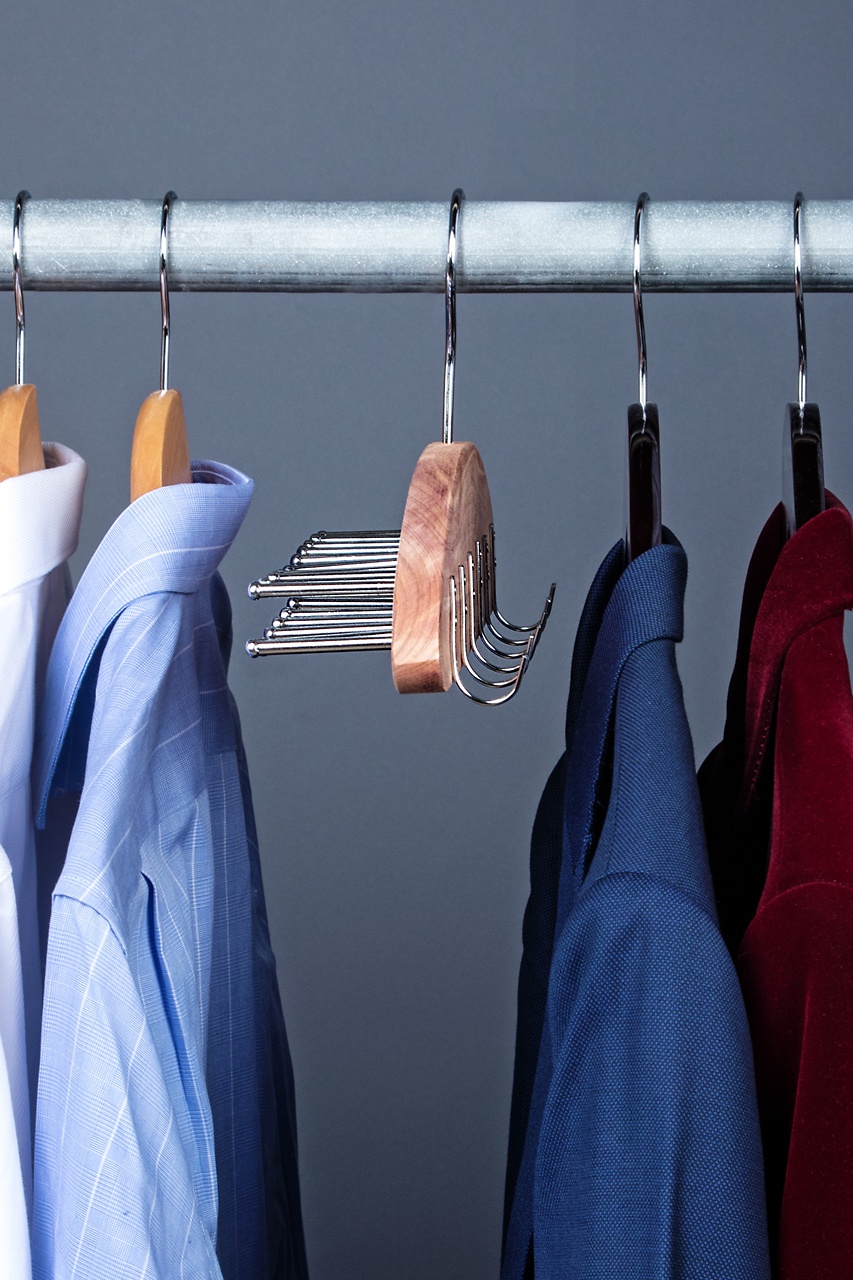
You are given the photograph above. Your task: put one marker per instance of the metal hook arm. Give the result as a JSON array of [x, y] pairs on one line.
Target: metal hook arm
[[450, 314], [802, 360], [164, 289], [638, 298], [458, 623], [18, 286]]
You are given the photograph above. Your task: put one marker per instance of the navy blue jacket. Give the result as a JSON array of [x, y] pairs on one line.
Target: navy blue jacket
[[634, 1144]]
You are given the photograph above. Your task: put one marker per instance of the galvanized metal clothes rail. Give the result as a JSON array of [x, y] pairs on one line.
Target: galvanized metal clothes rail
[[265, 246]]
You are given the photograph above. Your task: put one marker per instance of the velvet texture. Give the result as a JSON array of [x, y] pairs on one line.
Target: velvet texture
[[778, 800]]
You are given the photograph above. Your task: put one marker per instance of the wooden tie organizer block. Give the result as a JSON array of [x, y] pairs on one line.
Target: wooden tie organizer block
[[426, 591], [448, 509]]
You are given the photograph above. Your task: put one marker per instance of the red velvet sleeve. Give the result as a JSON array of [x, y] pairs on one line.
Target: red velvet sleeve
[[796, 969]]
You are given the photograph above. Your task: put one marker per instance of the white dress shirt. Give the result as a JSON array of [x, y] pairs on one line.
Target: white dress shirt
[[39, 525]]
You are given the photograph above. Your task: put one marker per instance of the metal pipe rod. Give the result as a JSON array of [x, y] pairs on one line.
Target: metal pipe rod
[[261, 246]]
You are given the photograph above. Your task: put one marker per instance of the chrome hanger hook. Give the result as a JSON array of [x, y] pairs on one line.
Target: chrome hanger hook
[[802, 360], [164, 289], [638, 299], [18, 286], [450, 314]]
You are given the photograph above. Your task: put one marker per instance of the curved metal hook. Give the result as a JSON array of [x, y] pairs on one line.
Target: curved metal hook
[[18, 286], [455, 649], [487, 632], [493, 601], [802, 359], [164, 289], [462, 633], [471, 627], [638, 299], [450, 314]]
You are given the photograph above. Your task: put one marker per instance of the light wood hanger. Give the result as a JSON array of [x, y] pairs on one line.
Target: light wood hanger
[[160, 453], [20, 434]]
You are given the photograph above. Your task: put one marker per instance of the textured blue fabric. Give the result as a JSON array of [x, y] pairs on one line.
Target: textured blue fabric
[[642, 1153], [540, 916], [165, 1136]]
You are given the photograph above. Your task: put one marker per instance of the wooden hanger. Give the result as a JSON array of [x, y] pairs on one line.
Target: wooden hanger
[[644, 526], [804, 495], [160, 454], [20, 434]]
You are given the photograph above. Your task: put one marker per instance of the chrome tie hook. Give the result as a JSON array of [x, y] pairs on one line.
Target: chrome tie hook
[[802, 353], [18, 285], [803, 486], [168, 200], [639, 322]]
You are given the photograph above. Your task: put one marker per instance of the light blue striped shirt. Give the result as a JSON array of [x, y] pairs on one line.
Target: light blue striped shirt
[[165, 1130]]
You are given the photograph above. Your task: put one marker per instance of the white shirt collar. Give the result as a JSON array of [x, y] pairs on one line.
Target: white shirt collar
[[40, 517]]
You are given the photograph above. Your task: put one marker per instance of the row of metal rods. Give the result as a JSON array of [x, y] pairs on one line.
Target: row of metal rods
[[340, 594]]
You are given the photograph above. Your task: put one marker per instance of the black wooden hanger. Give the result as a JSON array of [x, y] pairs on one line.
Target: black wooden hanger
[[802, 446], [644, 529]]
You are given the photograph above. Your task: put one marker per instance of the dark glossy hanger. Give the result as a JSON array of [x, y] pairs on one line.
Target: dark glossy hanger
[[644, 529], [802, 444]]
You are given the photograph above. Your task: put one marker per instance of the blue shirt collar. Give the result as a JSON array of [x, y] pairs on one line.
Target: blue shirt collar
[[169, 540], [646, 603]]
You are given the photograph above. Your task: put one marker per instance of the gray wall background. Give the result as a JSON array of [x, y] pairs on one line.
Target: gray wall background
[[395, 830]]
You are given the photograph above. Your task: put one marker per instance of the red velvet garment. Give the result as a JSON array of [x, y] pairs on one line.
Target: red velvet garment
[[778, 800]]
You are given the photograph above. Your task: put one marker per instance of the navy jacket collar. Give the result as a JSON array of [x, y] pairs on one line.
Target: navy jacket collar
[[646, 603]]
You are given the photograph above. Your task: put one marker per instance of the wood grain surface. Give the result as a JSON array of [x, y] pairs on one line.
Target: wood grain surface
[[160, 453], [448, 508], [20, 433]]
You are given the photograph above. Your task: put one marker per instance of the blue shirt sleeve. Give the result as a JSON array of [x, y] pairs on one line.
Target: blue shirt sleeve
[[106, 1202]]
